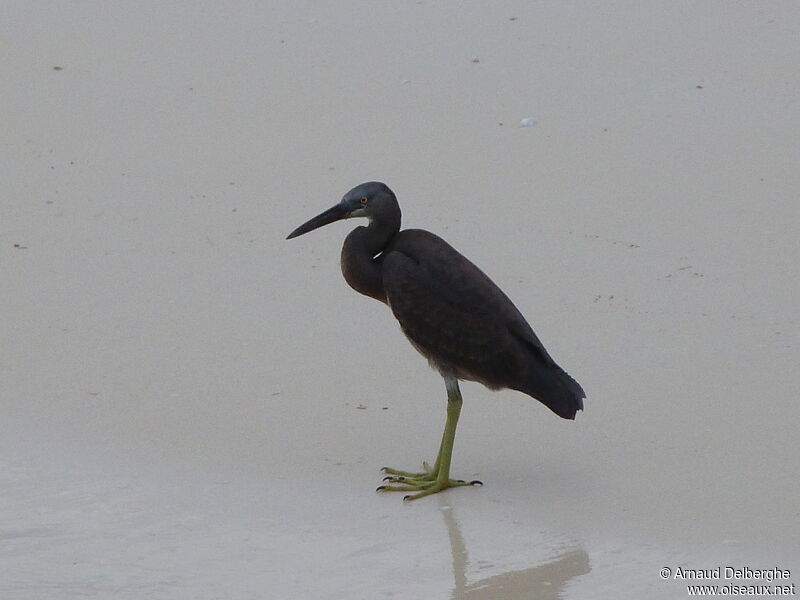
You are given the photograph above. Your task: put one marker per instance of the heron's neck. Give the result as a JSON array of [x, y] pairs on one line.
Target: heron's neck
[[361, 266]]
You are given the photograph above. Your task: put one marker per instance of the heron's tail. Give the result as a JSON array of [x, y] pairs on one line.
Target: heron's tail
[[554, 388]]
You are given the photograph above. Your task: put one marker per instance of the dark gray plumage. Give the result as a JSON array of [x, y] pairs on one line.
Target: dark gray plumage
[[451, 312]]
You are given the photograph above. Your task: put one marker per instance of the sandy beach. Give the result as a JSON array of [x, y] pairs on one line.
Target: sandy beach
[[193, 407]]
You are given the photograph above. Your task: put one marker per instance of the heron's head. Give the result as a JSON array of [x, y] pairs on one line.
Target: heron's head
[[373, 200]]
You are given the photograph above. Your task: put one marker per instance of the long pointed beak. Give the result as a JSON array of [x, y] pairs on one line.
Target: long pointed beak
[[334, 213]]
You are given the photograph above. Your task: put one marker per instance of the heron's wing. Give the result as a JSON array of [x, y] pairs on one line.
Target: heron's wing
[[453, 313]]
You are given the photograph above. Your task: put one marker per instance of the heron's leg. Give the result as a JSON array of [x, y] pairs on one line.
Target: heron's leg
[[438, 478]]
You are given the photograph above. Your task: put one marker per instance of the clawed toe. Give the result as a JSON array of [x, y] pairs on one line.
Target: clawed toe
[[423, 484]]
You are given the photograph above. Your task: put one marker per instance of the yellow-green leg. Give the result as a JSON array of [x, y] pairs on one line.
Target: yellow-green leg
[[435, 479]]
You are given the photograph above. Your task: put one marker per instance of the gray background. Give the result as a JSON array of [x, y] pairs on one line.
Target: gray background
[[193, 407]]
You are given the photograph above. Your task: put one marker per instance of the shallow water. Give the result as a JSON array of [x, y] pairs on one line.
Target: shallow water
[[193, 407]]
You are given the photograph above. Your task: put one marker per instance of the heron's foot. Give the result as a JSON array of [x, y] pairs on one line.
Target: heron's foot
[[396, 475], [424, 484]]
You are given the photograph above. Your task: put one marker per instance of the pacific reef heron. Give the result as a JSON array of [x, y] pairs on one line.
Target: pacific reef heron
[[451, 312]]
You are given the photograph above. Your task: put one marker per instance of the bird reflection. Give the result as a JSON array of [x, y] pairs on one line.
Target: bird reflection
[[543, 582]]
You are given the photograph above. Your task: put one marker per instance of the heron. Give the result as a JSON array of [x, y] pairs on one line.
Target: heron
[[451, 312]]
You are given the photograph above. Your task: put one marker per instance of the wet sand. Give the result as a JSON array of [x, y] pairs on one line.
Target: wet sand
[[193, 407]]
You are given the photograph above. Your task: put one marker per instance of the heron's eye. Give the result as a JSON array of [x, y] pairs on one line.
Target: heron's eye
[[364, 201]]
